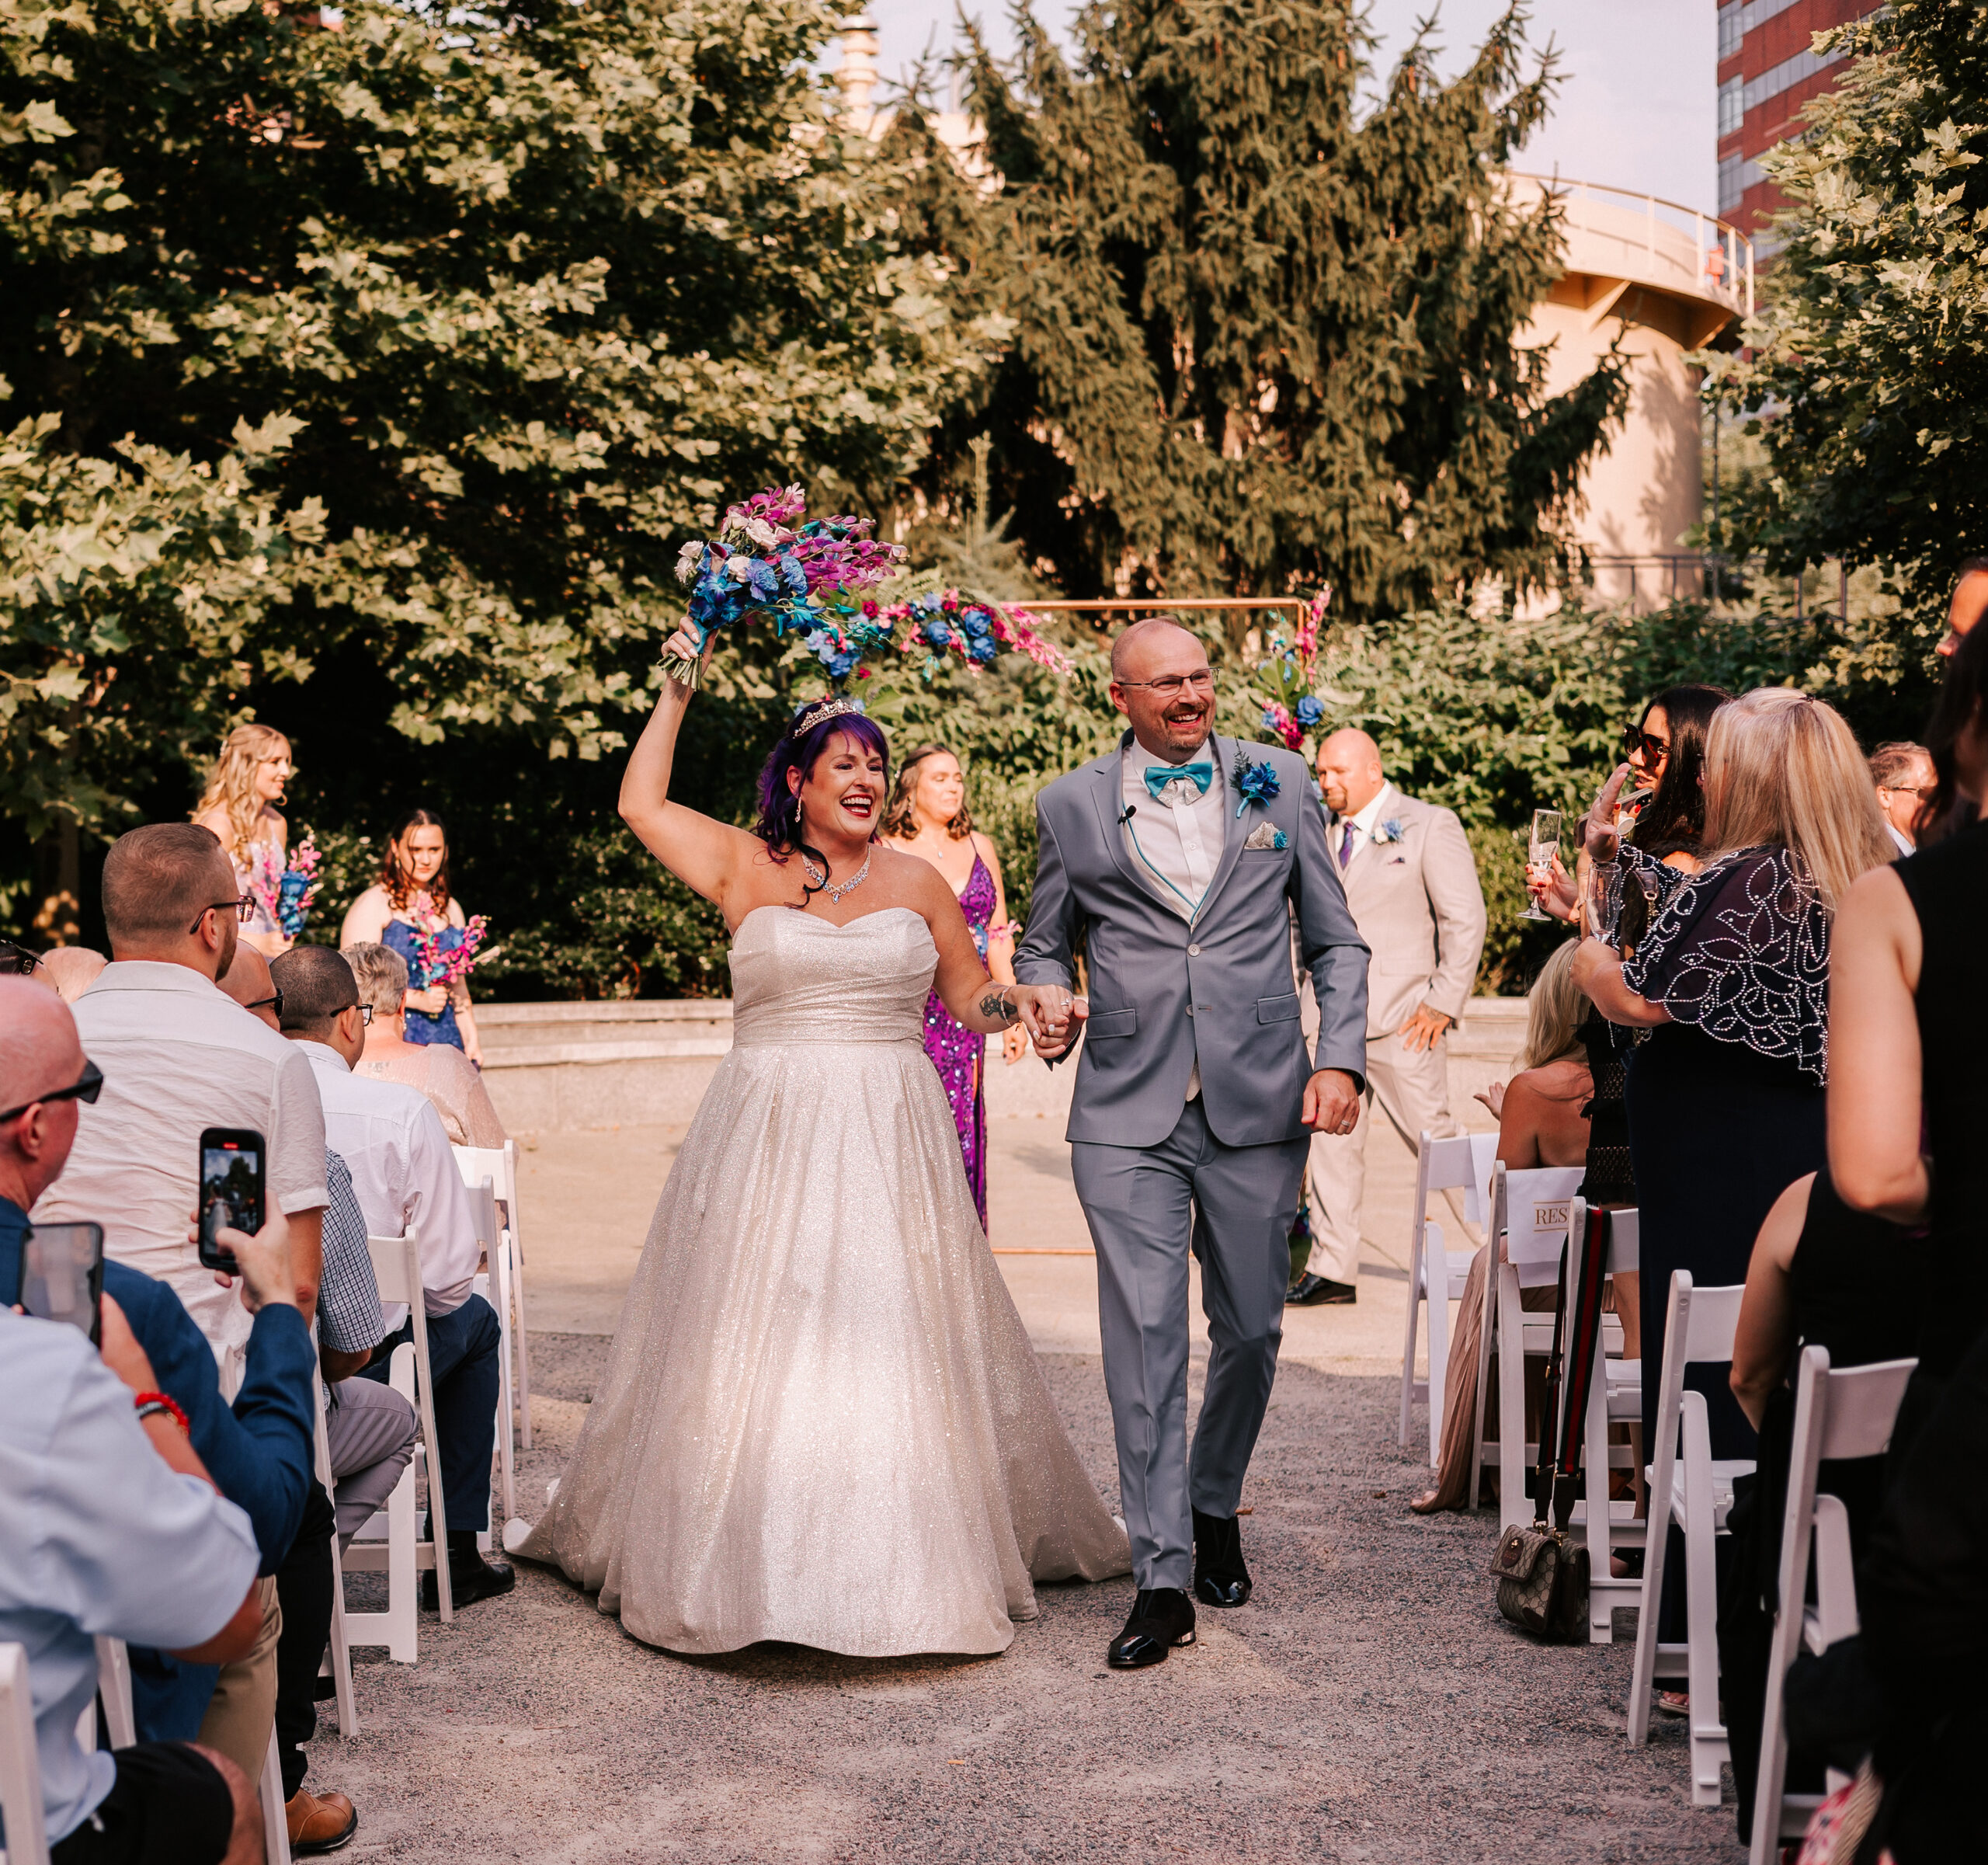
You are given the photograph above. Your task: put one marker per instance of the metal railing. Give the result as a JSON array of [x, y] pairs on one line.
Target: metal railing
[[1718, 256]]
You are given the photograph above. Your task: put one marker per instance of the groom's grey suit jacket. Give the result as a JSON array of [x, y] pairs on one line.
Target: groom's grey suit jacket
[[1164, 992]]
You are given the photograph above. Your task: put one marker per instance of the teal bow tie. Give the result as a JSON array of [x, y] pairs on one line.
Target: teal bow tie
[[1159, 776]]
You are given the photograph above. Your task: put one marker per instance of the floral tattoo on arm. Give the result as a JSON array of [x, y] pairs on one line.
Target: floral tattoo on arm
[[994, 1005]]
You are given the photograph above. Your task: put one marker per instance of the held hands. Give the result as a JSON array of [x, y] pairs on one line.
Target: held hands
[[268, 1277], [1049, 1012], [1332, 1102]]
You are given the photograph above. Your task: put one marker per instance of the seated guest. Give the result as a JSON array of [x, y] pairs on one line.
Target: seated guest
[[445, 1075], [70, 970], [109, 1522], [1542, 1120], [1903, 777], [258, 1452], [368, 1432], [177, 1056], [1822, 1276], [393, 1141]]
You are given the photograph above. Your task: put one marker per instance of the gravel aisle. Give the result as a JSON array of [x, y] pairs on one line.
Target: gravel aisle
[[1369, 1705]]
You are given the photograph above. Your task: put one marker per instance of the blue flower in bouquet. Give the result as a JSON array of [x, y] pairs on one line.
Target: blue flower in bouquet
[[794, 574], [763, 579], [982, 650], [938, 633], [1308, 711], [1255, 782]]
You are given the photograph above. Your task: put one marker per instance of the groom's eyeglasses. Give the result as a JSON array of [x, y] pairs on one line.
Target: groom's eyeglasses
[[1167, 688]]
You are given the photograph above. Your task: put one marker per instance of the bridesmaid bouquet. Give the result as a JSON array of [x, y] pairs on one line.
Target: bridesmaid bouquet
[[296, 889], [443, 961], [767, 561]]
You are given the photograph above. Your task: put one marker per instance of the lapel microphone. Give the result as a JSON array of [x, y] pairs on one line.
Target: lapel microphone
[[1130, 811]]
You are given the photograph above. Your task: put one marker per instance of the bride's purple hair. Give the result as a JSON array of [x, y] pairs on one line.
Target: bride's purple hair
[[779, 824]]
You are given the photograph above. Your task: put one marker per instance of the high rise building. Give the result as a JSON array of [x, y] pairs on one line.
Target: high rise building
[[1767, 72]]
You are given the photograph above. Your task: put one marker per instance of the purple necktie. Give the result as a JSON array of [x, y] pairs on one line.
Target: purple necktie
[[1345, 848]]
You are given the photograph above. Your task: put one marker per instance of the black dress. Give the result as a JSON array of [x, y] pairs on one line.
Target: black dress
[[1856, 1285], [1725, 1102]]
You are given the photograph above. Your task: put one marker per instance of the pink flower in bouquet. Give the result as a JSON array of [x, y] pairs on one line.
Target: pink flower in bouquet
[[443, 961]]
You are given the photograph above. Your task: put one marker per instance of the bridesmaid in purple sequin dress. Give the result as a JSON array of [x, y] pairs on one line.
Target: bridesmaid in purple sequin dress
[[928, 817]]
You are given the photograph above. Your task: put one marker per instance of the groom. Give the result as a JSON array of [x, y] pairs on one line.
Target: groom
[[1176, 861]]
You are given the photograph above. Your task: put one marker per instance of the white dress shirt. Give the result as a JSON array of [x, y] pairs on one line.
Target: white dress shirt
[[179, 1054], [1898, 839], [98, 1535], [1364, 821], [1175, 839], [397, 1149]]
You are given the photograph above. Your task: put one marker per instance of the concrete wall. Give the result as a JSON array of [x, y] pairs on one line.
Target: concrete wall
[[564, 1068]]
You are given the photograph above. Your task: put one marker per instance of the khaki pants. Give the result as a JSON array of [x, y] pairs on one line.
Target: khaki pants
[[1412, 1088], [242, 1713]]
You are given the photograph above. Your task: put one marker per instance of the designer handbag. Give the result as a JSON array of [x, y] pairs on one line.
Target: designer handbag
[[1542, 1571]]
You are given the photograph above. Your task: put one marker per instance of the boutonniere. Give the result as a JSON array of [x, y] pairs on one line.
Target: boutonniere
[[1389, 831], [1255, 782]]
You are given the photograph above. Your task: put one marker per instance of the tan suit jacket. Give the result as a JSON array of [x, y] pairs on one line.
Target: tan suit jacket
[[1418, 905]]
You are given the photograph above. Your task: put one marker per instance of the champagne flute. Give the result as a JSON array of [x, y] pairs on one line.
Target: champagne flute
[[1543, 845]]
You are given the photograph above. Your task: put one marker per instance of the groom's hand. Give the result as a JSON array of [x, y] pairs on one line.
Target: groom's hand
[[1052, 1041], [1332, 1102]]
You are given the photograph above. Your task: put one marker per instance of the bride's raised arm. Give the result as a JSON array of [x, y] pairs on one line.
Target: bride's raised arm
[[705, 854]]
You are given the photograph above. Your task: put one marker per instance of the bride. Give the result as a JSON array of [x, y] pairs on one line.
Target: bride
[[821, 1420]]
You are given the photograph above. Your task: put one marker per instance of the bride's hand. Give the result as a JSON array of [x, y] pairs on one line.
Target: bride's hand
[[683, 645], [1050, 1017]]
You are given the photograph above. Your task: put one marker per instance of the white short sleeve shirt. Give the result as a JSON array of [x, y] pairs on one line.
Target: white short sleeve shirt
[[404, 1172], [98, 1536], [179, 1055]]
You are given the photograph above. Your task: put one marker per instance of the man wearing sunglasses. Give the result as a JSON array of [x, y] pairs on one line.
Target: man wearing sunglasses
[[178, 1057]]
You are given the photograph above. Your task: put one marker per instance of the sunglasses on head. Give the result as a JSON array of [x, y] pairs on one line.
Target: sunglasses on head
[[86, 1086], [16, 961]]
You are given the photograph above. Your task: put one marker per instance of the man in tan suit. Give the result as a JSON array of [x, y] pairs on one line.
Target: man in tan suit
[[1412, 885]]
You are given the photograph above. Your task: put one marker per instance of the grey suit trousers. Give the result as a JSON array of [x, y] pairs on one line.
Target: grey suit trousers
[[1147, 1207]]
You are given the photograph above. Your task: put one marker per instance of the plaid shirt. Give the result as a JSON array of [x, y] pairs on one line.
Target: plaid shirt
[[349, 1317]]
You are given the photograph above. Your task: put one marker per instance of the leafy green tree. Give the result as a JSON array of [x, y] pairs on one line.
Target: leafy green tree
[[1866, 371], [513, 302], [1259, 343]]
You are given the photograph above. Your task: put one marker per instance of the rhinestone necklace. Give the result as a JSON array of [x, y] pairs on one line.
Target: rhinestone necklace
[[818, 877]]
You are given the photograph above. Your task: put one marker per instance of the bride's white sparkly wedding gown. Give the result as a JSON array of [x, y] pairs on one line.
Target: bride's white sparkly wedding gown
[[822, 1420]]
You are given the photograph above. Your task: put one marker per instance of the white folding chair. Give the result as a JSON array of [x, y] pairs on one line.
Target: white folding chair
[[494, 1285], [113, 1685], [26, 1841], [1529, 1210], [399, 1552], [1461, 1164], [499, 1164], [1695, 1492], [1614, 1396], [1838, 1416], [337, 1653], [276, 1817]]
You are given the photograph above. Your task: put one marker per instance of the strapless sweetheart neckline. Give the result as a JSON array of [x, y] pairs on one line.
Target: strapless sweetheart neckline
[[832, 925]]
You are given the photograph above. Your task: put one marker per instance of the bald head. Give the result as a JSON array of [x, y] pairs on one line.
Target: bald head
[[1349, 771], [40, 1052], [1161, 681], [248, 982], [70, 970]]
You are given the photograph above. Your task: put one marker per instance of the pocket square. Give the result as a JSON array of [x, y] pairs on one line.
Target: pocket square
[[1266, 835]]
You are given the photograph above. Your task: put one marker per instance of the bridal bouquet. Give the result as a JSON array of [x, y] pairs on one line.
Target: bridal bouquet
[[443, 960], [1285, 674], [296, 889], [931, 628], [768, 561]]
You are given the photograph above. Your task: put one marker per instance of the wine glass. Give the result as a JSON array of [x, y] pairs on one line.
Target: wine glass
[[1541, 847]]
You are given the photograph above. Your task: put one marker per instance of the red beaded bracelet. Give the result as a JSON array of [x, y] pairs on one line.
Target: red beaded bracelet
[[150, 1404]]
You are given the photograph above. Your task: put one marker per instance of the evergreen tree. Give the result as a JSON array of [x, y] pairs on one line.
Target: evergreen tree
[[1259, 343], [1867, 369]]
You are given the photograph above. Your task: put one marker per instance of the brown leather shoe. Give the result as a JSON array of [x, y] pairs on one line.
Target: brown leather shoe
[[319, 1822]]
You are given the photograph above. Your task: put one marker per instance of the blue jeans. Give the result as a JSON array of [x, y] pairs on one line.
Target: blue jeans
[[463, 1348]]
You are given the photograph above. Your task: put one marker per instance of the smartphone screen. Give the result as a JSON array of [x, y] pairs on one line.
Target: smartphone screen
[[62, 1276], [231, 1164]]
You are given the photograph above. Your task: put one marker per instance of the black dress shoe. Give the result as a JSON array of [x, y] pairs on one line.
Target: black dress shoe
[[1163, 1617], [1311, 1291], [1220, 1578], [469, 1580]]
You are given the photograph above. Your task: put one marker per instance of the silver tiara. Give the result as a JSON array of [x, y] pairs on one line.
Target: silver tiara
[[834, 707]]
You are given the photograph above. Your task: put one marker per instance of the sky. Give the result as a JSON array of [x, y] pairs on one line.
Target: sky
[[1636, 108]]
